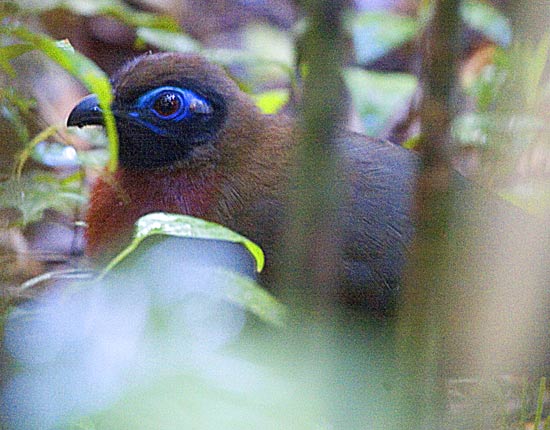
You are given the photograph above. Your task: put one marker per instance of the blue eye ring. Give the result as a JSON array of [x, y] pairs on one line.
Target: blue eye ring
[[171, 103]]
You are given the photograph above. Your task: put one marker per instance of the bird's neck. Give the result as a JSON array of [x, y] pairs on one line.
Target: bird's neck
[[119, 200], [231, 191]]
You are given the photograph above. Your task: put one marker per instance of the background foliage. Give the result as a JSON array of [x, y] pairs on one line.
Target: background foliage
[[144, 346]]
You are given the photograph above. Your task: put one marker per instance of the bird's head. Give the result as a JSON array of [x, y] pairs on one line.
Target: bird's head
[[169, 109]]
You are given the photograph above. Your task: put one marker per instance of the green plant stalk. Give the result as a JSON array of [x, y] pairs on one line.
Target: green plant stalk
[[540, 403], [78, 65], [26, 153], [524, 401]]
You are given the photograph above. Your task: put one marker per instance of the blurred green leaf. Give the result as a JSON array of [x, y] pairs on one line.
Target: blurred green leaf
[[537, 63], [95, 136], [65, 44], [13, 116], [411, 142], [10, 52], [33, 5], [113, 8], [122, 12], [532, 196], [23, 104], [248, 294], [95, 159], [378, 96], [166, 40], [377, 33], [55, 155], [228, 57], [8, 7], [188, 227], [267, 41], [197, 400], [33, 194], [83, 69], [12, 108], [540, 403], [476, 129], [501, 84], [271, 102], [29, 148], [486, 19]]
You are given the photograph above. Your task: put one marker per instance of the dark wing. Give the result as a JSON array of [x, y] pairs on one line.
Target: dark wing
[[377, 218]]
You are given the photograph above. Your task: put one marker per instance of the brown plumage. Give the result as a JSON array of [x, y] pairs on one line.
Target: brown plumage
[[219, 182], [221, 159]]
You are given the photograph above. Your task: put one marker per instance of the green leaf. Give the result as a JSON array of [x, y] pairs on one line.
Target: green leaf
[[113, 8], [35, 5], [167, 41], [412, 142], [29, 148], [267, 41], [12, 108], [134, 18], [33, 194], [95, 159], [271, 102], [534, 71], [481, 129], [24, 105], [228, 57], [95, 136], [236, 288], [489, 21], [378, 96], [248, 294], [377, 33], [188, 227], [540, 403], [83, 69], [10, 52]]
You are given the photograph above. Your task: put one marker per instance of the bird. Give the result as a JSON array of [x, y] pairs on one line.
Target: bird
[[191, 142]]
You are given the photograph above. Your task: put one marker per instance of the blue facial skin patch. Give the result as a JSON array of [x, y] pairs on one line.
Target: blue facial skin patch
[[168, 105]]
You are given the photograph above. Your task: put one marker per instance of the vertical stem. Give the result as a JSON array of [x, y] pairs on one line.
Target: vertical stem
[[312, 240], [423, 325]]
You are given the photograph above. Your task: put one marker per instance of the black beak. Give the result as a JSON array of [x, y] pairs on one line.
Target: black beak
[[86, 112]]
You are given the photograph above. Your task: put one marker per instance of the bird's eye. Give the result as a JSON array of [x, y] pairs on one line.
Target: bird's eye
[[171, 103], [167, 105]]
